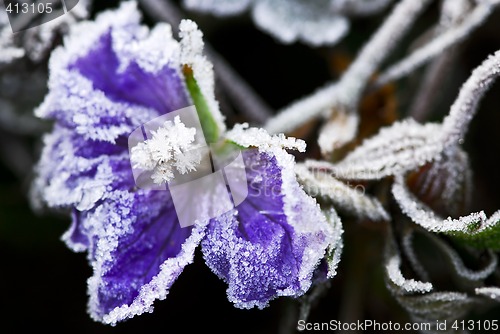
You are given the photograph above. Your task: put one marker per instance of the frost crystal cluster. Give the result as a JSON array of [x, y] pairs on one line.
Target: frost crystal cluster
[[171, 146]]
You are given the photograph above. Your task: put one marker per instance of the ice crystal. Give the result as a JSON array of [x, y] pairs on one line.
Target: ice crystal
[[171, 146]]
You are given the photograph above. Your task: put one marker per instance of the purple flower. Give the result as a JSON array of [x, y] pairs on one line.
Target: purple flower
[[113, 75]]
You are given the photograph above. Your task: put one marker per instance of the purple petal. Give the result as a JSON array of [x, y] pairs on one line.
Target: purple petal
[[140, 251], [163, 91], [270, 245], [113, 75]]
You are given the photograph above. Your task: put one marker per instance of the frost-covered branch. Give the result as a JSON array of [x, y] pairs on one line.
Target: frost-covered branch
[[442, 42], [346, 93]]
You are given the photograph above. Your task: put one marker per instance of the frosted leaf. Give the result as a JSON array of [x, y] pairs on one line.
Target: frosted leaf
[[218, 7], [334, 251], [419, 299], [458, 265], [446, 182], [410, 253], [490, 292], [244, 136], [312, 22], [429, 308], [171, 146], [340, 129], [474, 229], [405, 286], [401, 147], [352, 200], [465, 106]]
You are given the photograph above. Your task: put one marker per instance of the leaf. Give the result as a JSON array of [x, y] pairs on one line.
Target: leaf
[[335, 248], [490, 292], [420, 300], [474, 229], [353, 201], [404, 146], [466, 277], [445, 183]]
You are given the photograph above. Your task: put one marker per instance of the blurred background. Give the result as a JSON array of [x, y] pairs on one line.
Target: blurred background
[[43, 284]]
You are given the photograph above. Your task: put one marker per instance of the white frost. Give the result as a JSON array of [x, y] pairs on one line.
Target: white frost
[[244, 136], [171, 146]]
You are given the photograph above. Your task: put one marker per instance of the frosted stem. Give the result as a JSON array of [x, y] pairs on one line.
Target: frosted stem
[[464, 108], [434, 48], [347, 91], [242, 95]]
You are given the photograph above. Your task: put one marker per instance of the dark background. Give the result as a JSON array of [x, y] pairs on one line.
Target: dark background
[[43, 284]]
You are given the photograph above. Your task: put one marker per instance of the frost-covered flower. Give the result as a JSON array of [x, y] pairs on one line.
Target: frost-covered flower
[[110, 77], [315, 22]]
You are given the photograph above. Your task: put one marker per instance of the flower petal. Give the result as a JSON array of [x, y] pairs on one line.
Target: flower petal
[[113, 75], [271, 243], [140, 250]]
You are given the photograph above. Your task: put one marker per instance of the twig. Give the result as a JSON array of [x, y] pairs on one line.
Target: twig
[[242, 95], [348, 91], [451, 37]]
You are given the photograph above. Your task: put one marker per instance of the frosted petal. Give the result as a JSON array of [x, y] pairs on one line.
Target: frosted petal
[[270, 245], [140, 250]]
